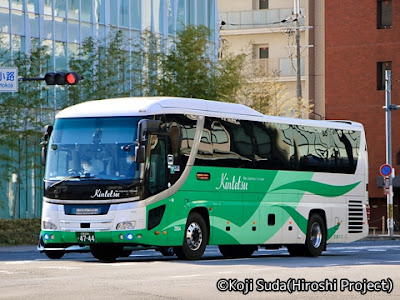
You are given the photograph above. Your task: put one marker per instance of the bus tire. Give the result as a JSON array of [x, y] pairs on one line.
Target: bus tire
[[195, 239], [56, 254], [316, 236], [106, 253], [237, 250]]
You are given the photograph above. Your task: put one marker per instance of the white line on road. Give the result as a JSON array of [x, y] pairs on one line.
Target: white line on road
[[20, 262], [62, 268], [186, 276]]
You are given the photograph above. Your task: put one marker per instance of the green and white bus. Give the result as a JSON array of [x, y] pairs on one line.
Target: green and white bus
[[181, 174]]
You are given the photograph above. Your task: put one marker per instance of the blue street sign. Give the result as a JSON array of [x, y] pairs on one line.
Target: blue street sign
[[385, 170], [8, 79]]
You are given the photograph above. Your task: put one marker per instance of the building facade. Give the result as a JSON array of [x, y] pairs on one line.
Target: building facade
[[266, 31], [361, 42], [62, 26]]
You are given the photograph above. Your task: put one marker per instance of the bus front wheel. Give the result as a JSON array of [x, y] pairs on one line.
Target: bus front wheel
[[196, 238]]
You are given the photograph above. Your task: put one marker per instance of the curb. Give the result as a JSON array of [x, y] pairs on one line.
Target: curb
[[381, 237]]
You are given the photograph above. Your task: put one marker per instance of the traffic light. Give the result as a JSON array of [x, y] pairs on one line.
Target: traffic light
[[62, 78]]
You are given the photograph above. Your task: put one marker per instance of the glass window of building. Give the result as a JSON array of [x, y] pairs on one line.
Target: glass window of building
[[263, 52], [60, 29], [17, 22], [384, 14], [382, 68], [60, 52], [99, 8], [263, 4], [73, 9], [17, 4], [86, 11], [114, 13], [48, 32], [32, 5], [135, 14], [73, 31], [60, 7], [146, 15], [4, 3], [48, 7], [86, 30], [124, 13], [201, 13]]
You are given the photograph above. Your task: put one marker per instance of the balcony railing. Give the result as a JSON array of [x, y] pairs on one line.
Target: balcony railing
[[281, 67], [256, 18]]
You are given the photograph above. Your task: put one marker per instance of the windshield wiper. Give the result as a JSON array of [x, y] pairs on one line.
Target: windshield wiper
[[84, 176], [64, 179]]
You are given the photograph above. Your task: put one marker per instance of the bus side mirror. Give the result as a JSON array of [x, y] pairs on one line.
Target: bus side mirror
[[140, 154], [48, 129], [145, 127]]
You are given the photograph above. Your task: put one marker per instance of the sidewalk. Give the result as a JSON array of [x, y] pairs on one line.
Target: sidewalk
[[370, 237]]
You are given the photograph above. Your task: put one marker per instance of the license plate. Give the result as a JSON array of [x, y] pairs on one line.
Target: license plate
[[85, 237]]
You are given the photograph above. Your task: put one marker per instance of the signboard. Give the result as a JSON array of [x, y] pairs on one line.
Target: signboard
[[386, 170], [8, 79]]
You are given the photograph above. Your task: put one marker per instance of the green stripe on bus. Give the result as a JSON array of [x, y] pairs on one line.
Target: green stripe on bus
[[317, 188]]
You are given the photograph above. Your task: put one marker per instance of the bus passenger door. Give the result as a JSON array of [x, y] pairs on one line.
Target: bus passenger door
[[156, 166]]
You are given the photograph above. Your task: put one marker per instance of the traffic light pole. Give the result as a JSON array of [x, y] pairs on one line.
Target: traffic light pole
[[30, 79], [388, 108]]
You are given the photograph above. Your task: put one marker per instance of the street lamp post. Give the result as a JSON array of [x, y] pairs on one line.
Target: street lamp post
[[388, 108]]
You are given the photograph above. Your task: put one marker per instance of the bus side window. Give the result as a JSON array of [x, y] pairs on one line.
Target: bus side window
[[345, 146]]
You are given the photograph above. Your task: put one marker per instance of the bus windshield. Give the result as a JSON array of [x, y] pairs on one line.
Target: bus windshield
[[100, 148]]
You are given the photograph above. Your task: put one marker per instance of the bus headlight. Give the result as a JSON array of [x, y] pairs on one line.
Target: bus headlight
[[126, 225], [49, 225]]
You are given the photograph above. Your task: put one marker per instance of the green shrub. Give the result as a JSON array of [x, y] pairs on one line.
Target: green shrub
[[19, 232]]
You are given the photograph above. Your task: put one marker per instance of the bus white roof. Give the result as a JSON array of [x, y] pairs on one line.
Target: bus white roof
[[146, 106]]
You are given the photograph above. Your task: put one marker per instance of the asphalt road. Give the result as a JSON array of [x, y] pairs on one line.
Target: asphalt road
[[361, 270]]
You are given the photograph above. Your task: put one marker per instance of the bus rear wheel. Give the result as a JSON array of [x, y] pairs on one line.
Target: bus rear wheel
[[106, 253], [196, 238], [237, 250], [316, 236], [315, 240]]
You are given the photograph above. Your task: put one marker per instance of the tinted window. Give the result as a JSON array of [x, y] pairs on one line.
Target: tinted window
[[270, 146]]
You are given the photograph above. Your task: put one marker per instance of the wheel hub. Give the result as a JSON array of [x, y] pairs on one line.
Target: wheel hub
[[316, 235], [194, 236]]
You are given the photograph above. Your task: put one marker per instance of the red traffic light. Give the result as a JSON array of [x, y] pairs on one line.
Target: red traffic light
[[62, 78]]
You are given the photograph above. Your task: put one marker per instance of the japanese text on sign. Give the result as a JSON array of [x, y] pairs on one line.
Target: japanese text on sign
[[8, 79]]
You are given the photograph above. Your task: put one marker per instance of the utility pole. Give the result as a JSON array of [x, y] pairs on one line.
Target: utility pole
[[296, 16], [388, 109]]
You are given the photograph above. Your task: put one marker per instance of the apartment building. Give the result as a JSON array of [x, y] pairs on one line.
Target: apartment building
[[266, 31]]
